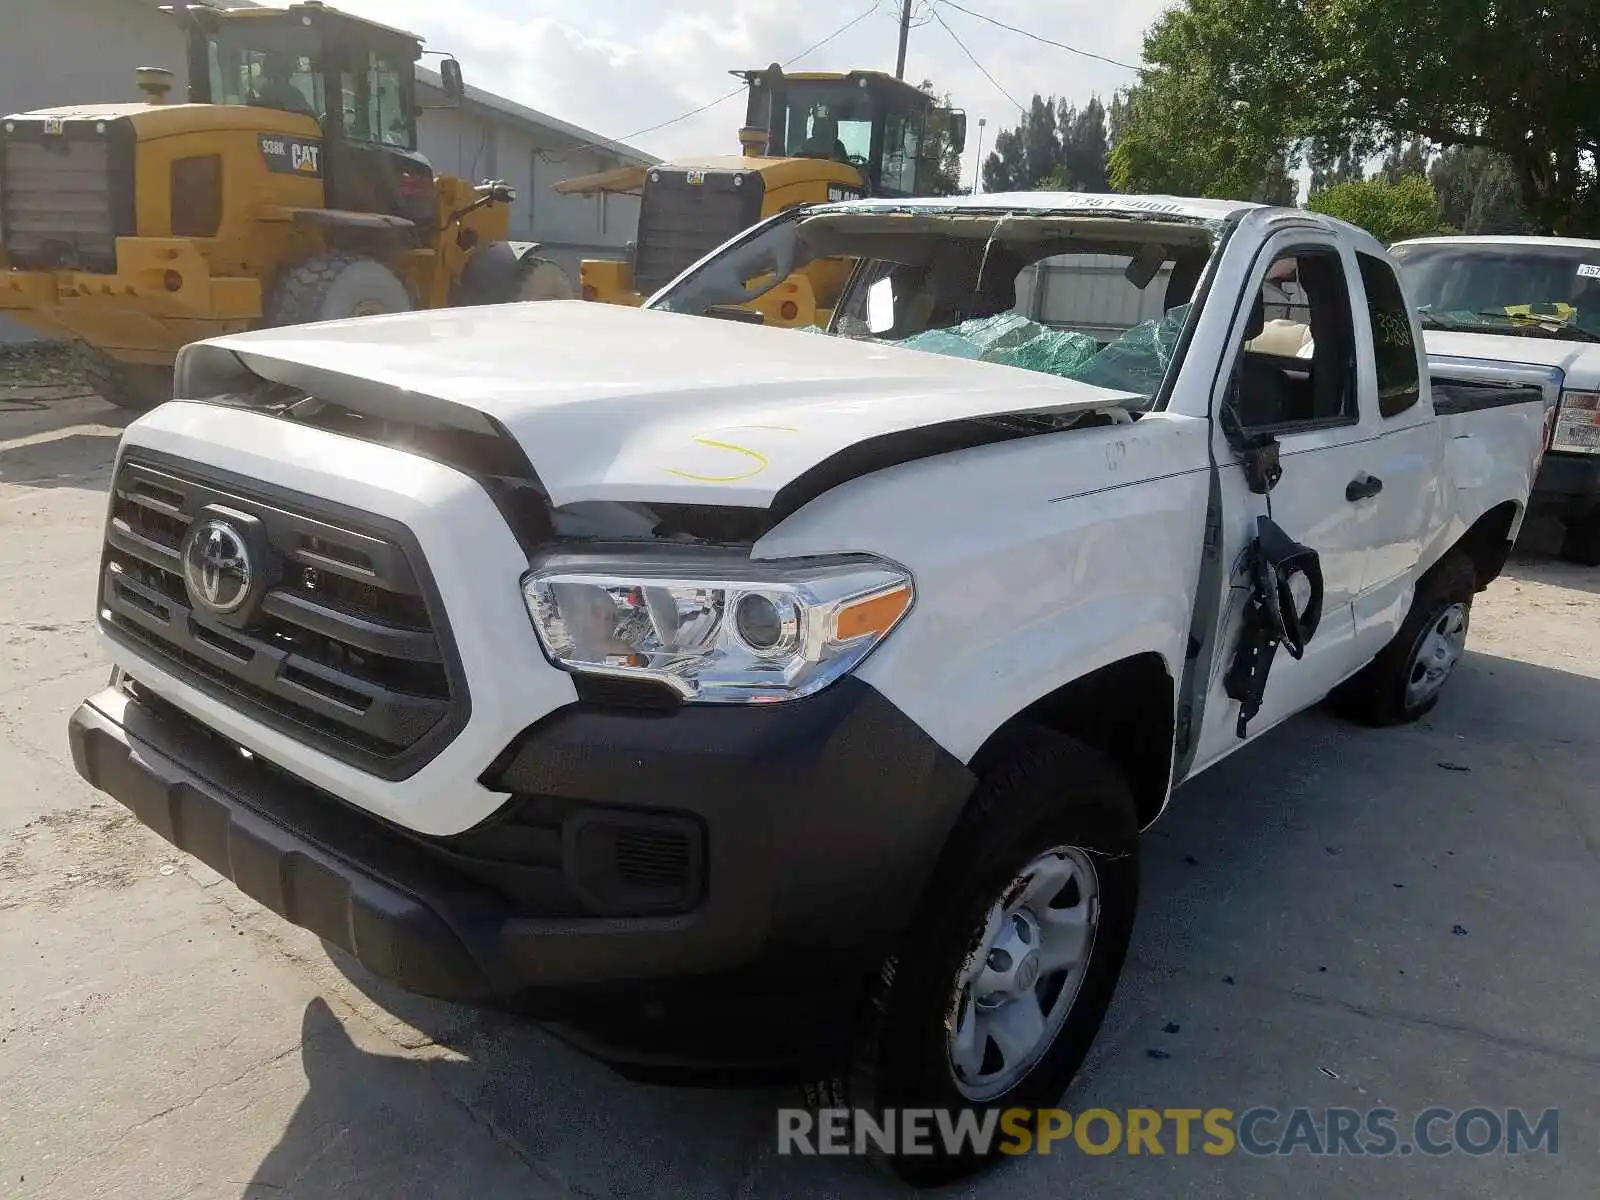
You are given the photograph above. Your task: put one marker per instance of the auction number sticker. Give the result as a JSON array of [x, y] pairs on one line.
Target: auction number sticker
[[1589, 270]]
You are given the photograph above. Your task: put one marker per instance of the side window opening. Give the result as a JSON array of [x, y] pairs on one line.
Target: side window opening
[[1296, 368], [1394, 351]]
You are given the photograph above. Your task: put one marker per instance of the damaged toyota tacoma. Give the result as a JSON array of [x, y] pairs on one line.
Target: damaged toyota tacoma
[[750, 700]]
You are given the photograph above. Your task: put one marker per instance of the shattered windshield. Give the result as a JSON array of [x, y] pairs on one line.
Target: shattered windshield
[[1501, 287], [1094, 297]]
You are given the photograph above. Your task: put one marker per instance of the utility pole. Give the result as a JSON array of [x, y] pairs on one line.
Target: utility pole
[[977, 170], [905, 32]]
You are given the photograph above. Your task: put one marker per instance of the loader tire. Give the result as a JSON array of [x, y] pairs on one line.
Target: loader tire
[[334, 285], [135, 387], [541, 279]]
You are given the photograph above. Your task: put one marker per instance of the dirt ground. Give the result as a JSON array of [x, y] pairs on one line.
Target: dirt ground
[[1331, 917]]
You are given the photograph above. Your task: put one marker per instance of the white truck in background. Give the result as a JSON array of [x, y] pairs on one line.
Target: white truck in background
[[751, 699], [1530, 305]]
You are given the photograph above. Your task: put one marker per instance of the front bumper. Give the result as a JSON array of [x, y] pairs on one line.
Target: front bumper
[[135, 314], [1568, 485], [819, 821]]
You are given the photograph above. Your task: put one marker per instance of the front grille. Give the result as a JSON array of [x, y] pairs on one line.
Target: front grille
[[66, 197], [342, 646], [684, 215]]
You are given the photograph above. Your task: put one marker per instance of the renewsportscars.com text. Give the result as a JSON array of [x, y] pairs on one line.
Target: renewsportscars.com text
[[1260, 1131]]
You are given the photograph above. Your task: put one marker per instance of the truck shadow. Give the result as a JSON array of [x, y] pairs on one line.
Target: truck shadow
[[31, 457], [1535, 560], [1249, 880]]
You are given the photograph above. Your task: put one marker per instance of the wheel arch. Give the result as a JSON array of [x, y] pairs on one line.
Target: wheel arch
[[1126, 711], [1488, 541]]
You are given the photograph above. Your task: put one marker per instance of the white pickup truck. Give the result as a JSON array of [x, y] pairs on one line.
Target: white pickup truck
[[1530, 307], [752, 699]]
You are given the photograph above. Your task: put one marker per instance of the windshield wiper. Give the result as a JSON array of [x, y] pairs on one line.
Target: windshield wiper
[[1429, 321], [1542, 323]]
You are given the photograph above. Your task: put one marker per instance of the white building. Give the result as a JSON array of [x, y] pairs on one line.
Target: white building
[[57, 52]]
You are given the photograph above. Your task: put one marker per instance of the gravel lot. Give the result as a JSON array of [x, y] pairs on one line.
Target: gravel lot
[[1333, 917]]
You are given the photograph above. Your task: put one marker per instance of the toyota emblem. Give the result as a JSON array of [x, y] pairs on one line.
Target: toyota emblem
[[217, 568]]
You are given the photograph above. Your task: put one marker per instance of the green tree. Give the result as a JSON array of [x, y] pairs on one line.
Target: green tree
[[1235, 86], [1410, 159], [1056, 146], [1389, 211], [1478, 191], [1331, 163], [941, 162]]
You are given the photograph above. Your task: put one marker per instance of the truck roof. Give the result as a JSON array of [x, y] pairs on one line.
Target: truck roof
[[1501, 239], [1044, 202]]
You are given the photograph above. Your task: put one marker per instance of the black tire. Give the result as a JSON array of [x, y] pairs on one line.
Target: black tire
[[1039, 790], [541, 279], [135, 387], [1377, 694], [1580, 543], [334, 285]]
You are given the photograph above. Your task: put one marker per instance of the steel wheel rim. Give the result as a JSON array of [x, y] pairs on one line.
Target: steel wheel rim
[[1438, 650], [1018, 983]]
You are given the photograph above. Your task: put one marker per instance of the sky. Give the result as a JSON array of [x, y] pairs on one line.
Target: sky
[[618, 66]]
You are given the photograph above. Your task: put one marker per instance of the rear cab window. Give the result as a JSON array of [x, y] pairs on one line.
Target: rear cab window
[[1394, 350]]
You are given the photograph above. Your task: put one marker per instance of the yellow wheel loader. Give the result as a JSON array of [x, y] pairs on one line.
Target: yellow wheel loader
[[808, 138], [288, 189]]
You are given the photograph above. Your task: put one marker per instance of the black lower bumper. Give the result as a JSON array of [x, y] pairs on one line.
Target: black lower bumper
[[820, 818], [1568, 485]]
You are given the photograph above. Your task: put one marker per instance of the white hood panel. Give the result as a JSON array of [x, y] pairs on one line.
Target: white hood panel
[[614, 403], [1580, 361]]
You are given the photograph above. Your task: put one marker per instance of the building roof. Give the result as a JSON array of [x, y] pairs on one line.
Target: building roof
[[489, 102]]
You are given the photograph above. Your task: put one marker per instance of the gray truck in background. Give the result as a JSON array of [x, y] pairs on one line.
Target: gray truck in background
[[1531, 305]]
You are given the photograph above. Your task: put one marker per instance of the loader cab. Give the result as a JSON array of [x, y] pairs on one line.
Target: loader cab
[[880, 125], [355, 78]]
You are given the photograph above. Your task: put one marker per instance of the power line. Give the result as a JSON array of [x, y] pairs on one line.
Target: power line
[[937, 17], [694, 112], [850, 24], [1039, 37]]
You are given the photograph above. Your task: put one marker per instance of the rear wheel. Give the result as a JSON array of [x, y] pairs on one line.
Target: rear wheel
[[1007, 970], [1581, 542], [136, 387], [333, 285], [1404, 681]]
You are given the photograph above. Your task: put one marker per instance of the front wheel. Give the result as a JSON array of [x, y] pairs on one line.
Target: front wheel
[[1007, 970]]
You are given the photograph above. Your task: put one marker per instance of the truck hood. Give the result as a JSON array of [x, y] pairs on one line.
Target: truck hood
[[1579, 362], [615, 403]]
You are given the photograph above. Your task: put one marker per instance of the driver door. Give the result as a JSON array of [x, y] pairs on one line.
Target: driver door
[[1294, 379]]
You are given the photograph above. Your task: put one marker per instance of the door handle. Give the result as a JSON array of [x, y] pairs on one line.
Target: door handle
[[1362, 487]]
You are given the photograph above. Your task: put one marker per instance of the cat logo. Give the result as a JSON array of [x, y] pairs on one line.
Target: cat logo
[[291, 156], [694, 177]]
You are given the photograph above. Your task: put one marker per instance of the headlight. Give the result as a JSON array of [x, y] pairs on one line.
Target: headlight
[[1578, 423], [716, 628]]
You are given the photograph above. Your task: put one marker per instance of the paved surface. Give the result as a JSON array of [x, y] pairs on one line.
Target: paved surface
[[161, 1037]]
